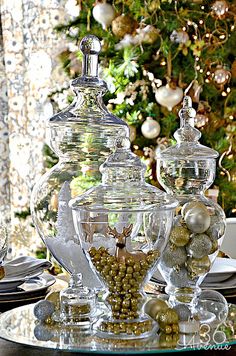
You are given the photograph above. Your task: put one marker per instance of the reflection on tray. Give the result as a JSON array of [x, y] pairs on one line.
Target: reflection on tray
[[19, 325]]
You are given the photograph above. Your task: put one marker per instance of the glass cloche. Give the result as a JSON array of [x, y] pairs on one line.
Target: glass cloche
[[123, 225], [82, 136], [185, 171]]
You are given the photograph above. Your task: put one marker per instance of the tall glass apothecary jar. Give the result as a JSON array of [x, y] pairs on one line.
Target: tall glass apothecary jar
[[186, 170], [82, 136], [123, 225]]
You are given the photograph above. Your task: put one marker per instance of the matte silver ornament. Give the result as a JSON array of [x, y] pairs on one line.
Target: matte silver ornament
[[43, 309], [199, 246]]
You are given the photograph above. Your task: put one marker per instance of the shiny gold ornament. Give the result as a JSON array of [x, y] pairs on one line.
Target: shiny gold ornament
[[168, 317], [54, 297], [2, 272], [154, 306], [168, 340], [123, 25], [198, 266], [180, 236]]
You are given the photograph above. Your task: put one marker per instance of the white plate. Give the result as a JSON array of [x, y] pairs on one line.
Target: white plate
[[8, 284], [30, 288], [222, 269]]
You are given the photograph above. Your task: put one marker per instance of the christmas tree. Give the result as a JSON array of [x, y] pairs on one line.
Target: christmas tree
[[152, 53]]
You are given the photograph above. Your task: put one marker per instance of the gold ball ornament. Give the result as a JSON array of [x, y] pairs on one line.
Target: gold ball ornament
[[180, 236], [122, 25], [220, 8], [149, 34], [168, 317], [198, 266], [154, 306]]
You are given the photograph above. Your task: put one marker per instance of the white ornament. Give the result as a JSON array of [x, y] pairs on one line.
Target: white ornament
[[104, 14], [150, 128], [169, 97]]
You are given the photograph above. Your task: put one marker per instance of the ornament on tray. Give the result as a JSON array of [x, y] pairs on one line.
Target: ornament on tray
[[122, 25], [168, 97], [104, 14], [220, 8], [150, 128], [179, 36]]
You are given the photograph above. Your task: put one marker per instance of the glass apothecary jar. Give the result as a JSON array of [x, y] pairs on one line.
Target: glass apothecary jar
[[186, 170], [82, 136], [123, 225]]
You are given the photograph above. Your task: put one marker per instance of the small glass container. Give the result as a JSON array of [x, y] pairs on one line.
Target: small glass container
[[77, 303], [185, 171], [123, 225]]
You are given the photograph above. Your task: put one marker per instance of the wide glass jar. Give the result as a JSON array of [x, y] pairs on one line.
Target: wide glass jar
[[82, 136], [123, 225], [186, 170]]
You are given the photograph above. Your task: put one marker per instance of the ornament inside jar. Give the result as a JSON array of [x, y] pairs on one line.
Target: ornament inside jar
[[123, 225], [186, 170]]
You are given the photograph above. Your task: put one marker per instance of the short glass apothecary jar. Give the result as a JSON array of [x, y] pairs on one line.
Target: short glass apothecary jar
[[186, 171], [123, 225]]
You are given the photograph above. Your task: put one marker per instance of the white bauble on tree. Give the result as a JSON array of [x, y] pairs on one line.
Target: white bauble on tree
[[150, 128], [169, 97], [104, 14]]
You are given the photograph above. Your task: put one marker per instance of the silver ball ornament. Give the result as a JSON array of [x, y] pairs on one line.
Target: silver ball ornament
[[217, 227], [174, 256], [150, 128], [199, 246], [197, 220], [190, 205], [183, 312], [43, 310], [42, 332], [179, 278]]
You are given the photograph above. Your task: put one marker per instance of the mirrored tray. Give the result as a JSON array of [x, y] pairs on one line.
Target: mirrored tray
[[20, 326]]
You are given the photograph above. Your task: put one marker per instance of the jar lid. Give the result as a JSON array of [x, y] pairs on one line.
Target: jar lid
[[123, 186], [187, 137], [88, 106]]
